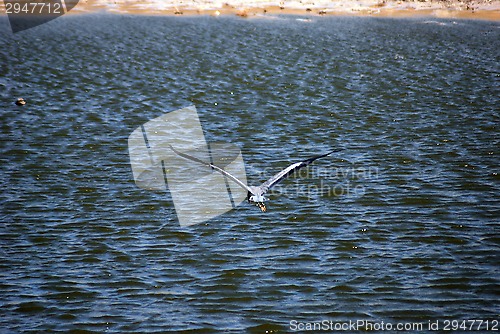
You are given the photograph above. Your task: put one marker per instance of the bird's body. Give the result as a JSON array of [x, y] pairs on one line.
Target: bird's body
[[256, 193]]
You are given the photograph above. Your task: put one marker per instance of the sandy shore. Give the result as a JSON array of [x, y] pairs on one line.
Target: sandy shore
[[468, 9]]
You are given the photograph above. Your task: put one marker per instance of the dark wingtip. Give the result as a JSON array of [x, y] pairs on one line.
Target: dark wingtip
[[324, 155], [335, 150]]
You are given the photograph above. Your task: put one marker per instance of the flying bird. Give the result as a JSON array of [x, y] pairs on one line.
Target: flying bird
[[256, 194]]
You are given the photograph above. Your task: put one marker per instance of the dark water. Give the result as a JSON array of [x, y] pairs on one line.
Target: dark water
[[401, 226]]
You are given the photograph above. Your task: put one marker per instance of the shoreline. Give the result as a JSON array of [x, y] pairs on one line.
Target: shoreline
[[450, 9]]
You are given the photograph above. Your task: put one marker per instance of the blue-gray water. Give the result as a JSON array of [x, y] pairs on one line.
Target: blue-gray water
[[414, 104]]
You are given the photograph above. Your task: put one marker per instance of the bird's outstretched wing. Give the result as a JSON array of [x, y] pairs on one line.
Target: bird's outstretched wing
[[220, 170], [264, 187]]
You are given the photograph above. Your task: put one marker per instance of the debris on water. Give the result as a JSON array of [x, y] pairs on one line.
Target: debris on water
[[20, 101]]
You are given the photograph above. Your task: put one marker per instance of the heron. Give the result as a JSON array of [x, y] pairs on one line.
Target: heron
[[255, 194]]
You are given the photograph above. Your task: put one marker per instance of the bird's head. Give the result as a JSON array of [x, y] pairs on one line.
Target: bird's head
[[257, 198], [259, 201]]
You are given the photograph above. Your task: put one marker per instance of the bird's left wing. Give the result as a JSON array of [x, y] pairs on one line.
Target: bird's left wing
[[220, 170], [264, 187]]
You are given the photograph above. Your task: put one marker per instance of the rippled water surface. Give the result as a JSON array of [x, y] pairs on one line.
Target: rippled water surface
[[400, 226]]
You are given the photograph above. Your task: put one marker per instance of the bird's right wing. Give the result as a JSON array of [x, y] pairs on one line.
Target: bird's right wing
[[264, 187], [220, 170]]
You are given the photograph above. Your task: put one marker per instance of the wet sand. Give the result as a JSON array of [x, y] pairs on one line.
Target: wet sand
[[466, 9]]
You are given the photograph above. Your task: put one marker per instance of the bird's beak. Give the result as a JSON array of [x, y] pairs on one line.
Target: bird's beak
[[262, 206]]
